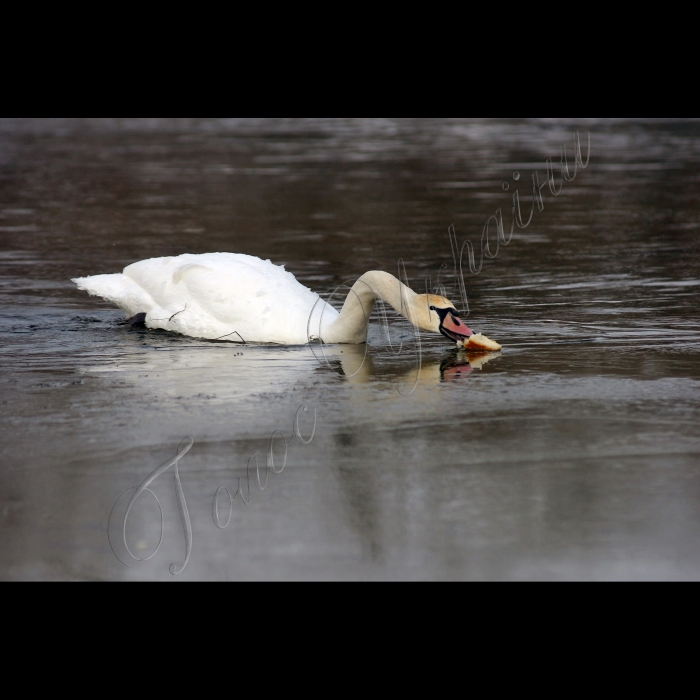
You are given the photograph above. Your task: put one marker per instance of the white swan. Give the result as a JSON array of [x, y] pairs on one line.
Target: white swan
[[227, 296]]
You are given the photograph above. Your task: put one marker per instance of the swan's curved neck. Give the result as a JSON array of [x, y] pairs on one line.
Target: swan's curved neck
[[351, 324]]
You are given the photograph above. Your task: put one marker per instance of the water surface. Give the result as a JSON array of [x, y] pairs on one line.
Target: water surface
[[572, 454]]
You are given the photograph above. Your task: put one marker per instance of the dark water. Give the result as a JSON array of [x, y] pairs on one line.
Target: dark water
[[572, 454]]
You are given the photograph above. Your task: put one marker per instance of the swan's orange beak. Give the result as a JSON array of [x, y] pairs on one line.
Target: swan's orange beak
[[453, 328]]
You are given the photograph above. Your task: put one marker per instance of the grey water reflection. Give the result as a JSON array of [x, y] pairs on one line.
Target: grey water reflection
[[571, 454]]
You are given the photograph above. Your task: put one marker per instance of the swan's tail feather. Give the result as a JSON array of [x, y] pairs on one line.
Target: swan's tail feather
[[118, 289]]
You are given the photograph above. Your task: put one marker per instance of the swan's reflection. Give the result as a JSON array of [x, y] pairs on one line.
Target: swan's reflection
[[358, 365], [192, 370], [462, 363]]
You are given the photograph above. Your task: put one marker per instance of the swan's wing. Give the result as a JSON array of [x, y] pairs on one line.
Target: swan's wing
[[225, 295]]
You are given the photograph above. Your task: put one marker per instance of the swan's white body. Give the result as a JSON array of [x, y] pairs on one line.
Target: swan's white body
[[239, 298]]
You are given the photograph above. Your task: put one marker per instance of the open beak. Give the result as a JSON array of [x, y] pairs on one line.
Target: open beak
[[452, 328]]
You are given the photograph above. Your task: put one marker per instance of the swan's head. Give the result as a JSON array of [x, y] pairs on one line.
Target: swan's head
[[437, 314]]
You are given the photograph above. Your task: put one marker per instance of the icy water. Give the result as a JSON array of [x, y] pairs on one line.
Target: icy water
[[572, 454]]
